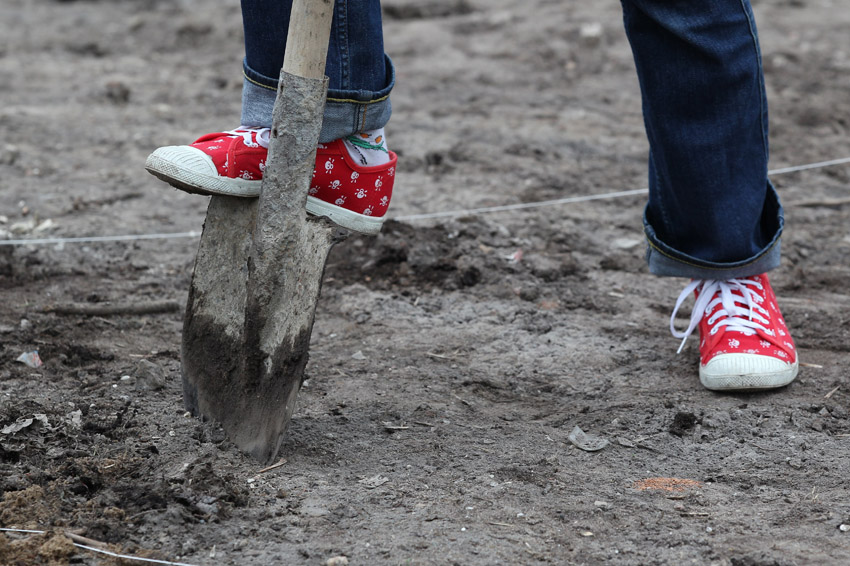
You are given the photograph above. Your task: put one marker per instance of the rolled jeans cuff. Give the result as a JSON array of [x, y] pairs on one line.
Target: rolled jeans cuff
[[346, 111], [666, 261]]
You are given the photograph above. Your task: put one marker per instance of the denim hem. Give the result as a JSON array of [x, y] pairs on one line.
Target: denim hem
[[346, 112], [666, 261], [664, 265], [336, 95]]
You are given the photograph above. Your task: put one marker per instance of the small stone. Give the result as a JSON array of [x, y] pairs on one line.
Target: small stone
[[149, 376], [591, 34], [373, 482], [163, 111], [117, 92], [625, 243], [529, 293], [337, 561], [9, 154]]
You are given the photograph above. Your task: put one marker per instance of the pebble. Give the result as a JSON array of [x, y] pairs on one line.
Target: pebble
[[149, 375]]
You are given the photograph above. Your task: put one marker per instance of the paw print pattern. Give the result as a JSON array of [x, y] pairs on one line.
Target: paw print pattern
[[366, 191]]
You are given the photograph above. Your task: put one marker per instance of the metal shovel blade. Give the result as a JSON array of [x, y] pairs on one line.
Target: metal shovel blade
[[259, 267]]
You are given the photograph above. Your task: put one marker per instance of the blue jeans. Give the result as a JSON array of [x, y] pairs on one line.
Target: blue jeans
[[361, 74], [712, 213]]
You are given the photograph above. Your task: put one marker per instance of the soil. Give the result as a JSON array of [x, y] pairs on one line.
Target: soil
[[451, 358]]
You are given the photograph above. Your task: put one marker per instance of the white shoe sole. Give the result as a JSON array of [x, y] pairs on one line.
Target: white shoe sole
[[191, 170], [746, 372]]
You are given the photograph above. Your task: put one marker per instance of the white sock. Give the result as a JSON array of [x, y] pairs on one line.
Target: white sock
[[368, 148]]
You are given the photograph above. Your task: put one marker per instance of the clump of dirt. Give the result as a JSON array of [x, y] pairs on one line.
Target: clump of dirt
[[28, 508], [57, 550], [37, 549]]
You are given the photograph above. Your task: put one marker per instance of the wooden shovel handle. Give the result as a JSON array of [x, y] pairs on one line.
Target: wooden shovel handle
[[307, 42]]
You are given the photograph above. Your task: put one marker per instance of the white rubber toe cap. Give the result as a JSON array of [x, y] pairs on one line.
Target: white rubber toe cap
[[730, 372], [190, 169], [186, 158]]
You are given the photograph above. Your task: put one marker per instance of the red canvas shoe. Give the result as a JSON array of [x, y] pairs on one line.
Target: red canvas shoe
[[232, 164], [744, 343]]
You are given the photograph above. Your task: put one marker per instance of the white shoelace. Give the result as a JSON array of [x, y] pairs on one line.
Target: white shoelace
[[245, 132], [746, 318]]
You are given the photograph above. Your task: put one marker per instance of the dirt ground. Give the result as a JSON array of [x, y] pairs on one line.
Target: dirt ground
[[451, 358]]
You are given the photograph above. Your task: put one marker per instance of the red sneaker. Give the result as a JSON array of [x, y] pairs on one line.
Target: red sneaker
[[744, 343], [232, 163]]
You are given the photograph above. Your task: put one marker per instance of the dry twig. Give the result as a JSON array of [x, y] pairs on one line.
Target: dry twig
[[280, 463], [107, 309]]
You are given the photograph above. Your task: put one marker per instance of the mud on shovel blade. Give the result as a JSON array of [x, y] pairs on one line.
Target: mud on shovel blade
[[260, 263]]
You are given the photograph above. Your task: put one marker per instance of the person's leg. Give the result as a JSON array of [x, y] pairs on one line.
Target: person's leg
[[361, 75], [712, 214], [353, 181]]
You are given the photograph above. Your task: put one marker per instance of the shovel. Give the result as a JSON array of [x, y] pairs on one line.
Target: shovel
[[259, 267]]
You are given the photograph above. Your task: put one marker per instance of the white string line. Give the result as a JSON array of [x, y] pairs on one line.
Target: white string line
[[518, 206], [569, 200], [818, 165], [107, 552], [409, 217], [87, 239], [126, 557]]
